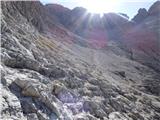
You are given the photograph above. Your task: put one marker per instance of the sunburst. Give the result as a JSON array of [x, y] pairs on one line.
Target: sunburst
[[100, 6]]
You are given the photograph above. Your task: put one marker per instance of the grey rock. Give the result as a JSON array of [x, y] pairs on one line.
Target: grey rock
[[11, 106], [28, 106], [142, 15], [154, 9], [84, 116], [118, 116], [32, 116], [94, 108], [30, 87]]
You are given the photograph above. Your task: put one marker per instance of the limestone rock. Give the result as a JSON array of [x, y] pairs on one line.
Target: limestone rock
[[32, 116], [106, 68], [30, 87], [11, 107], [154, 9], [118, 116], [142, 14], [84, 116]]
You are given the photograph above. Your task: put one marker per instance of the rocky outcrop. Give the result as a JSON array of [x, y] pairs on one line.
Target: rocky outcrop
[[146, 35], [11, 107], [32, 11], [154, 9], [142, 14], [61, 13]]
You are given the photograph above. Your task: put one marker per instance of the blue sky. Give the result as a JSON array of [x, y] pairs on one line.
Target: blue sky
[[129, 7]]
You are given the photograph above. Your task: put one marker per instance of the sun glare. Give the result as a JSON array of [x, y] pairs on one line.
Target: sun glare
[[100, 6]]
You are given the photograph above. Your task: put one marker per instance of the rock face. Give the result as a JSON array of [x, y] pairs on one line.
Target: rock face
[[139, 37], [154, 9], [142, 14], [146, 32], [87, 25], [60, 12], [50, 73], [32, 11]]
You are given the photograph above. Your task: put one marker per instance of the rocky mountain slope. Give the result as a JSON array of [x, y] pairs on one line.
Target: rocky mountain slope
[[140, 37], [50, 73]]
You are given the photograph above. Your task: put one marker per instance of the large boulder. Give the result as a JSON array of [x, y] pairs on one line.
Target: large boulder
[[30, 87], [95, 108], [83, 116], [118, 116]]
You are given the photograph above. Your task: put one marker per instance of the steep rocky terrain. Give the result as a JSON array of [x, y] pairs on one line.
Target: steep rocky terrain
[[147, 37], [140, 37], [85, 24], [50, 73]]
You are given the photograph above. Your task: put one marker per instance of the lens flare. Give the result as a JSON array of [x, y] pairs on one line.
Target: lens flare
[[102, 6]]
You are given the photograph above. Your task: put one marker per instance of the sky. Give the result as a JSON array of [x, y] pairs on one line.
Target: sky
[[129, 7]]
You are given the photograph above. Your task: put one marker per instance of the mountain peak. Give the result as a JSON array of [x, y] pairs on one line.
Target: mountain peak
[[155, 8], [57, 7], [141, 15]]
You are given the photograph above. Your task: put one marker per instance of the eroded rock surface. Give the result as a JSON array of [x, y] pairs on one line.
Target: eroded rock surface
[[45, 78]]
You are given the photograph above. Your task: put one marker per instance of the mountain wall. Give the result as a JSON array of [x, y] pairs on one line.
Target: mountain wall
[[139, 37]]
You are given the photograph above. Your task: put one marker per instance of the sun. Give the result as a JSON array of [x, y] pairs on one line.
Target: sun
[[100, 6]]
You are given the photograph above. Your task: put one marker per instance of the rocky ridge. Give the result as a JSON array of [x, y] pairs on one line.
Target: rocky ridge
[[51, 74]]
